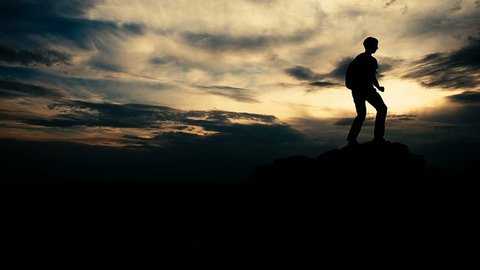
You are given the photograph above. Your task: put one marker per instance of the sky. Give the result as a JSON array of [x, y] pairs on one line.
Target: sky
[[206, 90]]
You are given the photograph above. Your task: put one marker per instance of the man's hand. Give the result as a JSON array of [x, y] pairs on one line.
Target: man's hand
[[381, 89]]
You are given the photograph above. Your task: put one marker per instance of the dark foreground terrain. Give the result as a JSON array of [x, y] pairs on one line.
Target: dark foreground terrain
[[373, 198]]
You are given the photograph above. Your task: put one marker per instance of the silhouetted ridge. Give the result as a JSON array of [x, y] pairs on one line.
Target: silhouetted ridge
[[363, 162], [370, 195]]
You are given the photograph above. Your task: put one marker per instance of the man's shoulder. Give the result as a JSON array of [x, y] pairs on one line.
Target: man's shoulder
[[362, 57], [365, 58]]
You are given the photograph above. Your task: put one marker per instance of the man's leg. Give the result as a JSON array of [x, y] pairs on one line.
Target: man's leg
[[359, 119], [376, 101]]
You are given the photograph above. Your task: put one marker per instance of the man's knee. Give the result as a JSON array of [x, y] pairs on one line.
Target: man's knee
[[361, 116], [382, 109]]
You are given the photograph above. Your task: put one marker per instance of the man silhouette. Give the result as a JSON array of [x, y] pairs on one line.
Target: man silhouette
[[365, 78]]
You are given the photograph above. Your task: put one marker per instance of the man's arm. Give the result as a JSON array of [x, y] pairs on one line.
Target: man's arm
[[376, 84]]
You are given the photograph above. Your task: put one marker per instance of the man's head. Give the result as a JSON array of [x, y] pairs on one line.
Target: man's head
[[370, 44]]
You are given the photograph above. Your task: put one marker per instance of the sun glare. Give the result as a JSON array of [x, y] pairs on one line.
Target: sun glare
[[403, 96]]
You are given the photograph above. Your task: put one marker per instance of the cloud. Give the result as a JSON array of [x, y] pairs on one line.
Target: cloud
[[463, 114], [162, 60], [241, 18], [324, 84], [235, 93], [317, 80], [467, 97], [70, 8], [30, 57], [302, 73], [390, 2], [104, 63], [455, 70], [43, 34], [75, 113], [341, 69], [58, 23], [18, 89], [133, 28], [458, 19], [82, 113], [79, 87], [224, 42], [67, 8]]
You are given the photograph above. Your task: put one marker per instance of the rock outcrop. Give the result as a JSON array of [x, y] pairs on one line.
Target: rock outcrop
[[363, 163], [368, 195]]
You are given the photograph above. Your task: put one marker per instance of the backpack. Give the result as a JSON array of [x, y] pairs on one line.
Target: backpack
[[352, 74]]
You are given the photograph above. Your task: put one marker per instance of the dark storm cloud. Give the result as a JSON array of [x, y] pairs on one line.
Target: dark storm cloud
[[22, 21], [30, 57], [220, 42], [455, 70], [317, 80], [302, 73], [133, 28], [460, 117], [224, 42], [102, 63], [235, 93], [341, 69], [323, 84], [26, 9], [466, 97], [70, 7], [76, 113], [387, 64], [18, 89], [81, 113], [81, 88], [162, 60]]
